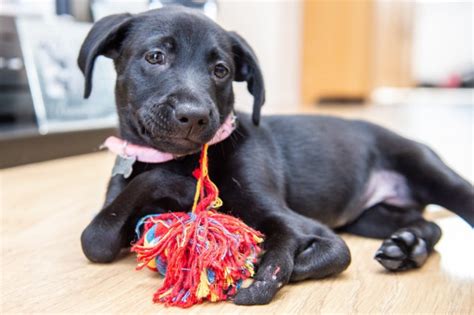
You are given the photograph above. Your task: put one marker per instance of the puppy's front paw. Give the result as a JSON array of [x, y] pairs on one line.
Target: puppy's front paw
[[258, 293], [403, 250], [99, 245]]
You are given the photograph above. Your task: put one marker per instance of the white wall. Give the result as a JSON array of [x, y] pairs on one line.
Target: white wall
[[273, 29], [44, 8], [443, 39]]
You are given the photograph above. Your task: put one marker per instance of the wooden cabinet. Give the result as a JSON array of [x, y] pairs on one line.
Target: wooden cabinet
[[352, 46]]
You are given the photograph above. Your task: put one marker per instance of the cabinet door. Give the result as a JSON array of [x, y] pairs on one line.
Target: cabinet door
[[336, 49], [353, 46]]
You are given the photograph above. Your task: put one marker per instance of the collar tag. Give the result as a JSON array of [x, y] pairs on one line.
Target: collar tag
[[123, 166]]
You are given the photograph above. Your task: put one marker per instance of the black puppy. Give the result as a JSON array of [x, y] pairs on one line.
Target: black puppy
[[293, 177]]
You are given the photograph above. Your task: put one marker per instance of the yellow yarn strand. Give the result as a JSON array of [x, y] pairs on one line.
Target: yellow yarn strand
[[204, 173], [203, 287]]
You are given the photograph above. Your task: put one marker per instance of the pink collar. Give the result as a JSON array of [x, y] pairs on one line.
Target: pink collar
[[150, 155]]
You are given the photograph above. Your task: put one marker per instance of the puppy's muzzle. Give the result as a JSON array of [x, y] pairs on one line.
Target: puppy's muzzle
[[179, 120]]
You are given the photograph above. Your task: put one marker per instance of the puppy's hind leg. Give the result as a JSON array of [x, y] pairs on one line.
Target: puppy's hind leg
[[409, 247], [409, 239], [431, 181]]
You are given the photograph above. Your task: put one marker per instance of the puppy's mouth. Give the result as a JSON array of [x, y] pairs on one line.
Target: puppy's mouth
[[164, 139], [181, 146]]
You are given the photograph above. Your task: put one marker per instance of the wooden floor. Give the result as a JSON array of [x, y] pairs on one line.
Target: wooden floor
[[45, 206]]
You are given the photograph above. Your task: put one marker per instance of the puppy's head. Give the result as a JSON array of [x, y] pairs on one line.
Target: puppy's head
[[175, 69]]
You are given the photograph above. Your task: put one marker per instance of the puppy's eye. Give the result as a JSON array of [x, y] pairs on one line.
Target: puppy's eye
[[155, 57], [221, 71]]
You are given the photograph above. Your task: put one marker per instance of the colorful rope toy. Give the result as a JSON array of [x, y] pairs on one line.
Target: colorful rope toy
[[203, 254]]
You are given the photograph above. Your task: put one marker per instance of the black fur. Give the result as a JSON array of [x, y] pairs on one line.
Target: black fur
[[295, 178]]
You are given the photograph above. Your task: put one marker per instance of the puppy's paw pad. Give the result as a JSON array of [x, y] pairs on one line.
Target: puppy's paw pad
[[258, 293], [403, 250]]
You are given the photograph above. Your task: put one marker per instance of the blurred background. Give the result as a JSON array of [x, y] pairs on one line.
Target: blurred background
[[407, 65]]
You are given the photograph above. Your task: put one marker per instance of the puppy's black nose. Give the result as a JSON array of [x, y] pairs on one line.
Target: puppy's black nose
[[192, 116]]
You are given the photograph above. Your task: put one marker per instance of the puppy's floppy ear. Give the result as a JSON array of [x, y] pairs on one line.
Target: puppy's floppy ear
[[103, 39], [247, 69]]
